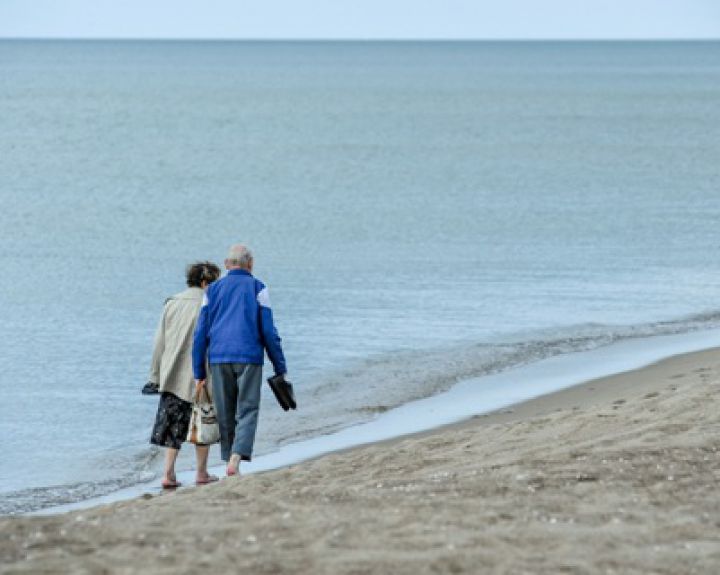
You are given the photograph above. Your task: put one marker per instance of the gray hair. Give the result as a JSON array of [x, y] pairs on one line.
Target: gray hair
[[239, 255]]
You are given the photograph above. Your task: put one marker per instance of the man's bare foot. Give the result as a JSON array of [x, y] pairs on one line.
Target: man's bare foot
[[205, 478], [233, 466]]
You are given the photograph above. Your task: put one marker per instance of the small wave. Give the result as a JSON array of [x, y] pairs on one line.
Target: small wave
[[431, 371], [139, 468]]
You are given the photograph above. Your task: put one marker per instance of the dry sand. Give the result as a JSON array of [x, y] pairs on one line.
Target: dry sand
[[619, 475]]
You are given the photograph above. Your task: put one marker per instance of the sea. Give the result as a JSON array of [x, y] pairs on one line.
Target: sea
[[424, 213]]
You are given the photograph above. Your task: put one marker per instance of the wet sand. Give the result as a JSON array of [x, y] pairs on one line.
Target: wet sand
[[618, 475]]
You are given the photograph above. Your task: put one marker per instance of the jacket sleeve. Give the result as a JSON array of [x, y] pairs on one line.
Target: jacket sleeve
[[271, 338], [158, 349], [200, 342]]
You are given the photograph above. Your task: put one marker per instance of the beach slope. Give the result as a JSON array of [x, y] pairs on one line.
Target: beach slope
[[618, 475]]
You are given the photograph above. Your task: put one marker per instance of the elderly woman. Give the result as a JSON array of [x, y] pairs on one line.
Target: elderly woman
[[172, 372]]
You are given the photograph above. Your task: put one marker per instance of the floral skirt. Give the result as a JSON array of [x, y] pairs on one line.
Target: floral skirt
[[171, 422]]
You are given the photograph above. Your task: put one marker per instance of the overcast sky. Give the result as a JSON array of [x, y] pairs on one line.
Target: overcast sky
[[365, 19]]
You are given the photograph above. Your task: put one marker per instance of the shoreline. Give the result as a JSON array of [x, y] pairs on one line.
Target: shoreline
[[543, 383], [617, 474], [631, 383]]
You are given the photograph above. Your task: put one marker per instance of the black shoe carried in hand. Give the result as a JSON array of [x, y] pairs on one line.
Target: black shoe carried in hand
[[283, 391], [150, 389]]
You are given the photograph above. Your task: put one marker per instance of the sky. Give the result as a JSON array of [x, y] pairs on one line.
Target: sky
[[361, 19]]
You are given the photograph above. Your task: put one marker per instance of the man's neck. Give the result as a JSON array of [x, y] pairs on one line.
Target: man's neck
[[238, 268]]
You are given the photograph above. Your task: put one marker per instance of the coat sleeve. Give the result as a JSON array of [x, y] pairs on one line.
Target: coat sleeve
[[158, 349], [271, 338]]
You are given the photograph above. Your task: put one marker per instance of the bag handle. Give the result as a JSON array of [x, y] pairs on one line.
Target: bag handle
[[198, 392]]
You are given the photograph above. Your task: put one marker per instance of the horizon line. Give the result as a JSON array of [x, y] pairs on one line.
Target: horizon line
[[369, 40]]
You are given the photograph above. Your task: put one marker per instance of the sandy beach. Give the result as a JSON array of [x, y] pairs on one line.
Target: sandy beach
[[617, 475]]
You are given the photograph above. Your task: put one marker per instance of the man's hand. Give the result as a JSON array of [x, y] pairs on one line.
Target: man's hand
[[199, 384]]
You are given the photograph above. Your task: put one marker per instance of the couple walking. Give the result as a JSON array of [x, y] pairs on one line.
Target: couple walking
[[227, 325]]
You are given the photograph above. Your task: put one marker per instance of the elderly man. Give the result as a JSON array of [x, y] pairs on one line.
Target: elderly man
[[234, 330]]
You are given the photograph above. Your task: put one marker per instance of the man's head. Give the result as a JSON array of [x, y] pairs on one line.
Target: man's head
[[239, 258]]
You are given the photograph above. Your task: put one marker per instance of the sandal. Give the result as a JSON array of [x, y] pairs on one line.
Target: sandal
[[209, 479]]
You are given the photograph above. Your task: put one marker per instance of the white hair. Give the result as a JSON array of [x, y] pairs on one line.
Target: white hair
[[239, 255]]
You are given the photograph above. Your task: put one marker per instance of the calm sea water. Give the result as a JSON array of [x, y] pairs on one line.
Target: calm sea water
[[422, 213]]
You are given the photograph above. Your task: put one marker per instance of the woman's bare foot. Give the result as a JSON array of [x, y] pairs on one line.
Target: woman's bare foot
[[205, 478], [170, 482], [233, 466]]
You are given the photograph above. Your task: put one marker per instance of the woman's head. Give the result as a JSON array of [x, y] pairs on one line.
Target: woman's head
[[201, 274]]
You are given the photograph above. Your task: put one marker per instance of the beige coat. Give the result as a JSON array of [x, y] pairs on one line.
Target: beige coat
[[171, 367]]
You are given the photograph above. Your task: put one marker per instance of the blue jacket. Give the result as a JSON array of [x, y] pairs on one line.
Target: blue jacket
[[236, 325]]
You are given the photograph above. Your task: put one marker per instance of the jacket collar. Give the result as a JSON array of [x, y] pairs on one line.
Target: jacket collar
[[238, 273], [190, 293]]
